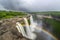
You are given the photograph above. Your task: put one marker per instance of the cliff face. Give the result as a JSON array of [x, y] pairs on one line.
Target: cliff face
[[8, 31]]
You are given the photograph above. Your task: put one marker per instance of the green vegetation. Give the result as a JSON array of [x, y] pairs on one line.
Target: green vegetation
[[10, 14], [55, 25], [56, 13]]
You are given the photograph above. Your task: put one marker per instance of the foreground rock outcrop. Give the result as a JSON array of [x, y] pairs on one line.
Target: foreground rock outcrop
[[8, 31]]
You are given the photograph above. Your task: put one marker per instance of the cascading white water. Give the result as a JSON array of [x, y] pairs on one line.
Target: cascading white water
[[20, 29], [31, 20], [35, 24], [30, 34], [32, 24], [27, 27]]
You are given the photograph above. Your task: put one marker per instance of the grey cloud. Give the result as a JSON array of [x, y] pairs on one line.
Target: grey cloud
[[34, 5], [12, 5], [2, 8]]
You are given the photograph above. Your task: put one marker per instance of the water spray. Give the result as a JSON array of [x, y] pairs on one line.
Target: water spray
[[30, 34], [32, 24]]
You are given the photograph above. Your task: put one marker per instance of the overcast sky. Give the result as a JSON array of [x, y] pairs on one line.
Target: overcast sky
[[30, 5]]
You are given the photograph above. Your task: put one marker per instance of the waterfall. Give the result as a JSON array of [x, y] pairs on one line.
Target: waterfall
[[30, 34], [32, 24], [27, 27], [40, 33], [20, 28], [31, 20]]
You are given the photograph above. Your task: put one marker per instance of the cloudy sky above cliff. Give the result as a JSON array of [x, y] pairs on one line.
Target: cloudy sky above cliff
[[30, 5]]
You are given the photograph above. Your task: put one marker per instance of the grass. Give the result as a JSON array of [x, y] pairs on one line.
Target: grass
[[11, 14], [55, 25]]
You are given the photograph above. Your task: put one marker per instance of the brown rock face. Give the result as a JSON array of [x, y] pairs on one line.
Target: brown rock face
[[8, 31]]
